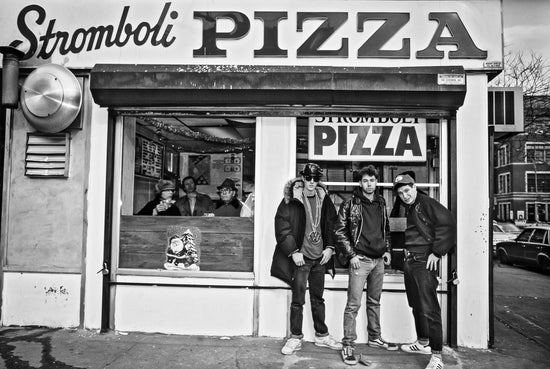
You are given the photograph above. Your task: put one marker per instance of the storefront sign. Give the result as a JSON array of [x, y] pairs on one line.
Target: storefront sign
[[367, 139], [255, 32]]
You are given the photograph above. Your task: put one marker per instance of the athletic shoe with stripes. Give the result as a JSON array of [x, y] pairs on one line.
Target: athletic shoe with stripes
[[417, 348], [383, 344], [435, 363]]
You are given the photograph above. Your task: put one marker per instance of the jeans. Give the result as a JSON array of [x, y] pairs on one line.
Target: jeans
[[314, 273], [421, 286], [370, 271]]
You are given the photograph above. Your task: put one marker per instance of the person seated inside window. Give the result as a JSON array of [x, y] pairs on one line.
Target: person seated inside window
[[228, 205], [163, 203], [193, 203]]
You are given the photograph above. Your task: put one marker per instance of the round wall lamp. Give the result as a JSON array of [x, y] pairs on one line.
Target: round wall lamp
[[51, 98]]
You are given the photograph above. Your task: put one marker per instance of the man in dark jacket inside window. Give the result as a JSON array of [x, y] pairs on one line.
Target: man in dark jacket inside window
[[305, 247], [430, 234], [363, 237]]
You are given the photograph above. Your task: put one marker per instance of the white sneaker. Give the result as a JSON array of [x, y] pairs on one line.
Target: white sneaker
[[435, 363], [417, 348], [328, 341], [291, 346], [382, 344]]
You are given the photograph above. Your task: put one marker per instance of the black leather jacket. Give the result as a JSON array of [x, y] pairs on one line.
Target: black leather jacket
[[434, 222], [350, 222]]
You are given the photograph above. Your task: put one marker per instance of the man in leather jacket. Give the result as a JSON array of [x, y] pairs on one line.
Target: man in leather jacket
[[363, 237], [430, 234]]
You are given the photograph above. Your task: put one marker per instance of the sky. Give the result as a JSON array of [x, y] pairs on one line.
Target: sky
[[527, 26]]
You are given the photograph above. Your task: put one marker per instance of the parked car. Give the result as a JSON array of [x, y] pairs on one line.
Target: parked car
[[504, 232], [531, 248]]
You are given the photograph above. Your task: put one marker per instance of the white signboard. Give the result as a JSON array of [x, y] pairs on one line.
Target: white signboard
[[367, 139], [354, 33]]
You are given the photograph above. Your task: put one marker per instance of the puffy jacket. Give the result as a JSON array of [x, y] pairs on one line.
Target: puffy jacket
[[350, 223], [290, 229]]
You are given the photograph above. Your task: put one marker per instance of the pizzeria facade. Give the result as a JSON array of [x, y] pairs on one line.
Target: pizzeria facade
[[107, 104]]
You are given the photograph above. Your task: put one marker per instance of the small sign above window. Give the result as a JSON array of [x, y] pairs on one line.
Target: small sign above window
[[451, 79]]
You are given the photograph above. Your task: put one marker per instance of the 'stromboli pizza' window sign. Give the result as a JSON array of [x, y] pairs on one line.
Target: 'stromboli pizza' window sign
[[367, 139]]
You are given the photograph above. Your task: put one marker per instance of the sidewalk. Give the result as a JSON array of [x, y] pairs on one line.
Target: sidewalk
[[33, 347]]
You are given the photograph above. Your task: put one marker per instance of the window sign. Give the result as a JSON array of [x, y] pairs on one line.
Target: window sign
[[367, 139], [148, 157]]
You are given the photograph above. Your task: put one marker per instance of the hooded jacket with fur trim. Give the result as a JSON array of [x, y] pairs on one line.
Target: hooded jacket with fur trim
[[290, 229]]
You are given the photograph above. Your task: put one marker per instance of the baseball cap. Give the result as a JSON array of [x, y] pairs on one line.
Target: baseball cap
[[402, 179]]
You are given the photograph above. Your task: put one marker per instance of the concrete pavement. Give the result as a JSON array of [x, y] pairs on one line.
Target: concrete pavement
[[35, 347], [522, 333]]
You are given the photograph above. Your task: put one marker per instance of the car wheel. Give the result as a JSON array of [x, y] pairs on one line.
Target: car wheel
[[544, 265], [502, 257]]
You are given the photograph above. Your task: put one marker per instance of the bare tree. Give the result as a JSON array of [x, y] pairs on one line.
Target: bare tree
[[531, 72]]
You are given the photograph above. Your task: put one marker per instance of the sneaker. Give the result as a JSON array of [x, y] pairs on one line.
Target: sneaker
[[348, 355], [383, 344], [417, 348], [328, 341], [435, 363], [291, 346]]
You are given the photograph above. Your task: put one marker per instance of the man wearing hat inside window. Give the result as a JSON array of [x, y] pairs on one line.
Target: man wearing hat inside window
[[228, 205], [429, 235], [304, 252]]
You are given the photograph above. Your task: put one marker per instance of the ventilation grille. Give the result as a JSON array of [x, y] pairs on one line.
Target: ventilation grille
[[47, 155]]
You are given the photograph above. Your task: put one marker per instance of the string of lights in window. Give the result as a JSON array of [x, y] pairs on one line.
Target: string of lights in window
[[222, 144]]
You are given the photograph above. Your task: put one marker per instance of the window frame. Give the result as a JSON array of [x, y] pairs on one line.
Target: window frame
[[504, 183], [531, 149], [538, 176], [440, 189], [128, 274], [503, 157]]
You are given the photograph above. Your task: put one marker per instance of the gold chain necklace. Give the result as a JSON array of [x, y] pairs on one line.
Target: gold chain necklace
[[314, 236]]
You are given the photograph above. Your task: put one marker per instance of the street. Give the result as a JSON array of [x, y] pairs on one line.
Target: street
[[521, 300]]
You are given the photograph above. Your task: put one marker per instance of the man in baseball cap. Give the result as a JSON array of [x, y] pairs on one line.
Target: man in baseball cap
[[402, 179], [429, 235]]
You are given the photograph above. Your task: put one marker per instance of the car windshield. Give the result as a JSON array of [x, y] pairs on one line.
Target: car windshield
[[509, 227]]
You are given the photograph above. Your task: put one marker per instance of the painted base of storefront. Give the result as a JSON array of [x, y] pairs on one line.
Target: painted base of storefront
[[181, 310], [248, 312], [51, 300]]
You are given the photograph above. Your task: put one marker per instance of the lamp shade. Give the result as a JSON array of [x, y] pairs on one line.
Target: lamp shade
[[51, 98]]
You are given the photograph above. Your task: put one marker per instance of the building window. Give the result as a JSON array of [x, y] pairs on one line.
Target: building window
[[504, 211], [504, 184], [537, 152], [392, 145], [502, 156], [537, 181], [187, 190], [538, 211]]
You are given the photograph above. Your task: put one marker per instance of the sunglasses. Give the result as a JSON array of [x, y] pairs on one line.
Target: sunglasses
[[309, 178]]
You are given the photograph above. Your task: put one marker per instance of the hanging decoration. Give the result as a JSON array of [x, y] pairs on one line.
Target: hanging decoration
[[244, 143]]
